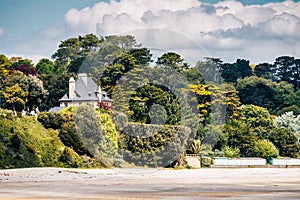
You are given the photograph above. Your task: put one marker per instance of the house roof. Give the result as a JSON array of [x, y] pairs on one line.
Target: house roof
[[86, 90]]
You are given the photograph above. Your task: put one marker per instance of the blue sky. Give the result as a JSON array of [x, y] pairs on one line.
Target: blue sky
[[34, 28]]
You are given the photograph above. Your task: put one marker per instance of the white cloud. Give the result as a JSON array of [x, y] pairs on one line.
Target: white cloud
[[283, 25], [227, 29], [1, 31]]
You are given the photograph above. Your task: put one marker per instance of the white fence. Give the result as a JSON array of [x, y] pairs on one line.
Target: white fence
[[220, 161], [285, 161]]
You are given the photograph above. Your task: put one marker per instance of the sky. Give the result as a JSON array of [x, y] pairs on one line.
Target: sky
[[257, 30]]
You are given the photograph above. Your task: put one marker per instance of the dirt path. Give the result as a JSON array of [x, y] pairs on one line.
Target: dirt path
[[56, 183]]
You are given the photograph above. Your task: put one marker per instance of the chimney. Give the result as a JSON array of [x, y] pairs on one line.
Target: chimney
[[83, 76], [71, 88]]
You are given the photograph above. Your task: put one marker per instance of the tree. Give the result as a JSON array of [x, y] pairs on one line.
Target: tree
[[285, 141], [36, 93], [112, 73], [88, 127], [25, 66], [239, 69], [29, 84], [264, 70], [289, 120], [256, 117], [172, 60], [67, 54], [90, 42], [240, 135], [45, 66], [141, 55], [125, 42], [15, 98], [286, 68], [4, 67], [225, 100], [265, 93], [57, 86], [209, 70], [149, 97]]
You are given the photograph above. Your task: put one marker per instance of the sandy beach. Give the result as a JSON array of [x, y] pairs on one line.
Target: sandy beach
[[62, 183]]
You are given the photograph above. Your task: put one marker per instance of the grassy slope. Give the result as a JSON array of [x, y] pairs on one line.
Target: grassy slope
[[24, 142]]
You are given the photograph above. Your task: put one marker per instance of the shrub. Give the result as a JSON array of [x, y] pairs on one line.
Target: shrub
[[51, 120], [265, 149], [70, 157], [285, 140], [230, 152], [69, 136], [206, 161]]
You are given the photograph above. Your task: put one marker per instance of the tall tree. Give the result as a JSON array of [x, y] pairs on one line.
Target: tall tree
[[209, 70], [172, 60], [265, 93], [239, 69], [264, 70], [45, 66], [141, 55]]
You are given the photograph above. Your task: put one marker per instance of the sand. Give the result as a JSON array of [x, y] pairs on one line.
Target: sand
[[59, 183]]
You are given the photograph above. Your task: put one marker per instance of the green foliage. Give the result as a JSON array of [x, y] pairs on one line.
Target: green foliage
[[45, 66], [15, 98], [265, 149], [141, 55], [25, 91], [195, 148], [256, 116], [69, 136], [294, 108], [286, 68], [51, 120], [265, 93], [264, 70], [209, 70], [24, 142], [56, 85], [240, 135], [230, 152], [109, 132], [285, 140], [231, 72], [173, 61], [154, 104], [153, 145], [206, 161], [212, 96], [70, 157], [88, 126]]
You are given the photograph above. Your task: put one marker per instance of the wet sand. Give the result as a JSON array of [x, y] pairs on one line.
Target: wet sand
[[58, 183]]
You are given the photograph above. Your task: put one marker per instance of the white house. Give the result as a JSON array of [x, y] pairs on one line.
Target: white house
[[85, 90]]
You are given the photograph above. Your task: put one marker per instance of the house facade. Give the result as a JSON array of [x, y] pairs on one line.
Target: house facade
[[85, 90]]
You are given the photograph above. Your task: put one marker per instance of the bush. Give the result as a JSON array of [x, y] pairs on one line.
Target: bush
[[230, 152], [70, 157], [265, 149], [69, 136], [285, 140], [51, 120], [153, 145], [206, 161]]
